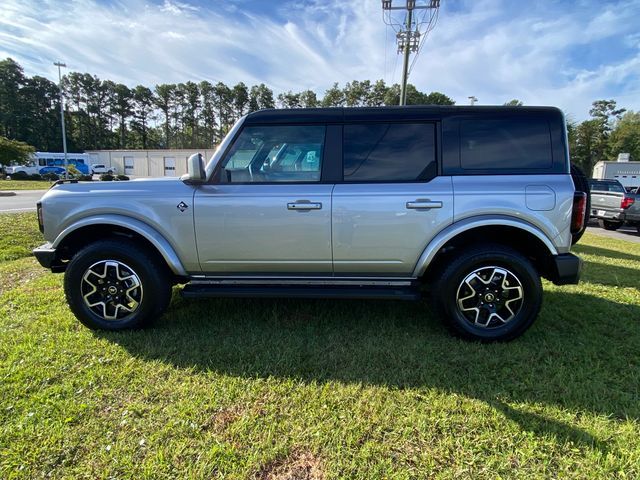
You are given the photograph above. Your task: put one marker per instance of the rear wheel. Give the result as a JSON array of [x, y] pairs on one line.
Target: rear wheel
[[116, 285], [488, 293], [610, 225]]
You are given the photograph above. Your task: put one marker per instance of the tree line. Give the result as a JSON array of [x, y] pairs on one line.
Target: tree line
[[102, 114]]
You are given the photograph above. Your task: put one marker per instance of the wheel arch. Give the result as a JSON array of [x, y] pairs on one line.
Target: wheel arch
[[89, 229], [512, 232]]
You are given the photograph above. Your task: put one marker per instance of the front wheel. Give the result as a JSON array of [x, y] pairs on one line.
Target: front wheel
[[488, 293], [610, 225], [116, 285]]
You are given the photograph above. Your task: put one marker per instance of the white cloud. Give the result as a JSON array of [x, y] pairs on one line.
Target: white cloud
[[489, 48]]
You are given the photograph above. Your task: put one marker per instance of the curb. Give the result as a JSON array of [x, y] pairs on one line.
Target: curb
[[7, 194]]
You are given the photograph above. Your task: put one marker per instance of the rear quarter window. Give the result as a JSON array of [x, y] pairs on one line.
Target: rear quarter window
[[505, 143]]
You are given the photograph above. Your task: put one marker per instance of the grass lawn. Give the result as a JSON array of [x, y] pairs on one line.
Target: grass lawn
[[13, 185], [320, 389]]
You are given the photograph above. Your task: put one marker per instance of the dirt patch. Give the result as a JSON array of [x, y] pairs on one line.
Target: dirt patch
[[300, 465], [223, 418]]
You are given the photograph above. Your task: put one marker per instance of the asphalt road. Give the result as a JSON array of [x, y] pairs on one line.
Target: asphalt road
[[630, 234], [22, 201]]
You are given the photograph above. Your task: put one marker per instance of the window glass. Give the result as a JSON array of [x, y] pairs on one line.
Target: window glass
[[389, 152], [505, 143], [607, 187], [265, 154]]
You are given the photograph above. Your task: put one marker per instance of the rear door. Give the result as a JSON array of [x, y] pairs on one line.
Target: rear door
[[391, 201]]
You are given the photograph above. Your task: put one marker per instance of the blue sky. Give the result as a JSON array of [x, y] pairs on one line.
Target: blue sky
[[552, 52]]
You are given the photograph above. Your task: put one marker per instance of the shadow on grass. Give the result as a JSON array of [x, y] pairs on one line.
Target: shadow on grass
[[605, 252], [581, 354], [610, 275]]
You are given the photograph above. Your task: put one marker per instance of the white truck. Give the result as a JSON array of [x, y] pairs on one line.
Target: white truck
[[627, 173]]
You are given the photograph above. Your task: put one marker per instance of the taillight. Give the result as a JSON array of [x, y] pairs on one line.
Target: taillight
[[579, 212], [626, 202], [40, 219]]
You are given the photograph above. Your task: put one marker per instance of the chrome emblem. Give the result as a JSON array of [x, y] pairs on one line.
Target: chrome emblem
[[182, 206]]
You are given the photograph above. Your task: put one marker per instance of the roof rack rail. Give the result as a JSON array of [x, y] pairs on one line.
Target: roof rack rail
[[62, 181]]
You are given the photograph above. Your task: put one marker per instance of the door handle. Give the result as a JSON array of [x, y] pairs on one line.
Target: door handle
[[421, 204], [304, 205]]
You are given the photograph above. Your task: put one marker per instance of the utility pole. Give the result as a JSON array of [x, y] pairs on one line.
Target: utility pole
[[407, 49], [64, 133], [408, 35], [472, 100]]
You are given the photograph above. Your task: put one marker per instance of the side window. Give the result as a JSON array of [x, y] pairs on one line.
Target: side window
[[274, 153], [392, 152], [505, 143]]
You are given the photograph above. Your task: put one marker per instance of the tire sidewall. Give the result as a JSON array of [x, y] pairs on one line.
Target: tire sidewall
[[517, 265], [130, 256]]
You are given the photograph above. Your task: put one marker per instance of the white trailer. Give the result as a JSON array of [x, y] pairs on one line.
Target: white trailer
[[627, 173]]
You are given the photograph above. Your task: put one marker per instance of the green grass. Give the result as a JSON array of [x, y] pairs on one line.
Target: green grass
[[13, 185], [332, 389], [19, 235]]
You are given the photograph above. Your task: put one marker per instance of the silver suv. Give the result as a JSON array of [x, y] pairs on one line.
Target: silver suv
[[471, 204]]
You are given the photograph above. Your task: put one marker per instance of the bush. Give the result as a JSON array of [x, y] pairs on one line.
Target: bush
[[35, 176], [122, 177], [20, 176], [85, 178], [105, 177], [52, 177]]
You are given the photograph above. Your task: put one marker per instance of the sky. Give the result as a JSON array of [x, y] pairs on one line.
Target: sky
[[547, 52]]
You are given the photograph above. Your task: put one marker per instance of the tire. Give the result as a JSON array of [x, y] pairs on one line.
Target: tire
[[509, 297], [581, 183], [610, 225], [140, 286]]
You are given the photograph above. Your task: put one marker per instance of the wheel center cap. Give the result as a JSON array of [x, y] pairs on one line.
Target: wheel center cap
[[489, 297], [112, 290]]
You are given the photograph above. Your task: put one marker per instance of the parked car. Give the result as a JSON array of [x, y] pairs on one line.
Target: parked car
[[471, 204], [100, 168], [610, 204]]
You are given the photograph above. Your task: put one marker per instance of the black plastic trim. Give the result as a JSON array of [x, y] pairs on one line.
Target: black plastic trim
[[566, 269], [222, 291]]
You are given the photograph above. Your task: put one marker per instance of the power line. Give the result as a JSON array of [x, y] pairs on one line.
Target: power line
[[409, 37]]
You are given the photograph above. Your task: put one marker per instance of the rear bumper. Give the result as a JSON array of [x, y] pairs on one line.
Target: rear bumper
[[616, 215], [565, 269], [46, 256]]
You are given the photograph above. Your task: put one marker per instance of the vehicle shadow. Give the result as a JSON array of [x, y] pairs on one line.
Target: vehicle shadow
[[604, 252], [579, 355]]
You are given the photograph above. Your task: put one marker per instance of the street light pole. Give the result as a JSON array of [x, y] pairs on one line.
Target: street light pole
[[64, 133]]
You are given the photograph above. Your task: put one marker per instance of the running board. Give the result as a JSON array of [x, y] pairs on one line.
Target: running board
[[282, 291]]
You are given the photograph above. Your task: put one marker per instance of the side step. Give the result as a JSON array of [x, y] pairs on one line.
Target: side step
[[287, 291]]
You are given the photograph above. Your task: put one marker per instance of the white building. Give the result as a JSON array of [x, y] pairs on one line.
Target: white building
[[147, 163]]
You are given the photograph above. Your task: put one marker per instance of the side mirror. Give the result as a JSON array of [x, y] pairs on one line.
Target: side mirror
[[196, 172]]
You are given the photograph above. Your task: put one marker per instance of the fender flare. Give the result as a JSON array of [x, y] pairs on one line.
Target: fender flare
[[455, 229], [143, 229]]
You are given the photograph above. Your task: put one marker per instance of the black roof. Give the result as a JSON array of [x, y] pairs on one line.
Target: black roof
[[409, 112]]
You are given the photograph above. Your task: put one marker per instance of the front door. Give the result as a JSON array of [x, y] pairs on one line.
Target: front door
[[267, 211]]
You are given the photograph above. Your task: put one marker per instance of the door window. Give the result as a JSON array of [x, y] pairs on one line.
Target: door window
[[388, 152], [268, 154]]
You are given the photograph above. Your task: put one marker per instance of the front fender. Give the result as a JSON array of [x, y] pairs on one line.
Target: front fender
[[162, 245], [441, 239]]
